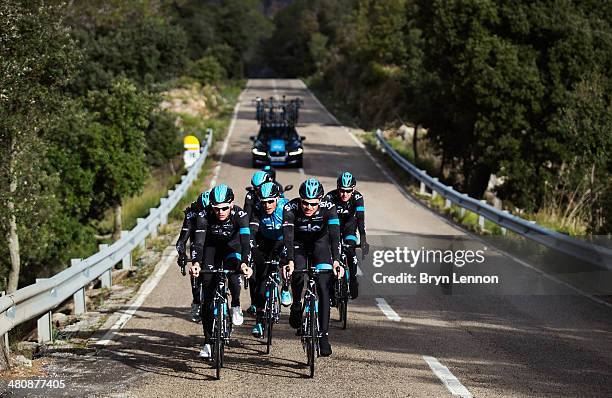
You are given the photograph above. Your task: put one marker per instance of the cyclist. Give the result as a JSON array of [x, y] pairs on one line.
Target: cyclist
[[221, 236], [187, 233], [311, 227], [267, 234], [250, 201], [351, 213]]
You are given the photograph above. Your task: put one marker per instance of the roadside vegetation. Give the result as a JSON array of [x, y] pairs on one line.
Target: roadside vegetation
[[94, 102], [519, 90]]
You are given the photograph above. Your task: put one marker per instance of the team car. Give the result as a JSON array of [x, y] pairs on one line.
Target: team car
[[278, 143]]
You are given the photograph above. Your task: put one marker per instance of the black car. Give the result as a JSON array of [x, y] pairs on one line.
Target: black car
[[277, 146]]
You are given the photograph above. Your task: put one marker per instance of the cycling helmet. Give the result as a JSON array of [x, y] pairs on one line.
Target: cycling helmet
[[205, 198], [259, 178], [221, 194], [271, 172], [268, 190], [311, 189], [346, 180]]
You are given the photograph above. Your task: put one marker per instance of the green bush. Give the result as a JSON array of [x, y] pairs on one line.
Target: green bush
[[207, 70]]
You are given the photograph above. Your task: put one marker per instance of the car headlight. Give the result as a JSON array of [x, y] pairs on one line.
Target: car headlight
[[298, 152], [258, 152]]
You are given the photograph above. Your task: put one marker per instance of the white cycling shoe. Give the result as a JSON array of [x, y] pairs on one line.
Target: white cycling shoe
[[205, 352], [237, 317]]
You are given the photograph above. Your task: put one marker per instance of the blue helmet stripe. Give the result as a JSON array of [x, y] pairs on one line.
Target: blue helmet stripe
[[206, 198], [266, 189], [220, 193], [258, 178], [312, 186]]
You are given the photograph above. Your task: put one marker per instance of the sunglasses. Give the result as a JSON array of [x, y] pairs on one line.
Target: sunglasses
[[346, 190], [268, 201], [221, 208], [306, 203]]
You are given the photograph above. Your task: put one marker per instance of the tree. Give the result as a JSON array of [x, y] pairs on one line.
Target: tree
[[37, 58], [121, 115]]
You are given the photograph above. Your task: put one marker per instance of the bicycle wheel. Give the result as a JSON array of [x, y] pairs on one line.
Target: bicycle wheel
[[219, 339], [313, 336]]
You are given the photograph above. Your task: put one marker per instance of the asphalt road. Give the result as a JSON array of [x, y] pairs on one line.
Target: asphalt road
[[524, 346]]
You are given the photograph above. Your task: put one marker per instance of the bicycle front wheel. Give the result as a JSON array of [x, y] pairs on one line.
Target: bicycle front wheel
[[313, 336], [219, 339]]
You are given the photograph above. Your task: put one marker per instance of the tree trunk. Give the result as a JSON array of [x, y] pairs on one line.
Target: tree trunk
[[12, 236], [118, 223], [415, 138], [478, 180], [5, 364], [172, 169]]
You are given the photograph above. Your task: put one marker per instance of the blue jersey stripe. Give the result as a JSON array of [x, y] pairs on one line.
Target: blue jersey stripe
[[360, 208], [350, 237], [333, 221], [245, 231], [323, 266], [234, 255]]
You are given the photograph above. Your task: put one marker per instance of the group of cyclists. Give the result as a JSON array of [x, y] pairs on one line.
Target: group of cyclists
[[269, 226]]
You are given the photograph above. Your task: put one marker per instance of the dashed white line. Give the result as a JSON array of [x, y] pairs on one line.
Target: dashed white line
[[450, 381], [387, 310], [302, 171], [213, 182]]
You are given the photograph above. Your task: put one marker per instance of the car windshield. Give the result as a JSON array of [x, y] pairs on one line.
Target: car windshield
[[283, 133]]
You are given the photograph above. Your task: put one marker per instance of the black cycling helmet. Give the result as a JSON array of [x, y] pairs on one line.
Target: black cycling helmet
[[259, 178], [271, 172], [311, 189], [268, 190], [221, 194], [346, 180]]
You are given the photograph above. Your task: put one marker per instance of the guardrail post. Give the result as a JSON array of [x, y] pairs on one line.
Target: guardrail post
[[126, 261], [44, 325], [143, 244], [153, 228], [504, 231], [163, 215], [106, 277], [462, 212], [78, 297], [434, 194], [481, 221], [447, 204], [422, 189]]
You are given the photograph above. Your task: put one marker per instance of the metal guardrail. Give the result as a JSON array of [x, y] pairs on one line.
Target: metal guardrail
[[591, 253], [46, 294]]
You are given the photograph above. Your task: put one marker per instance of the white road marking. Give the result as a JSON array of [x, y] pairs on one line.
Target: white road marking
[[450, 381], [387, 310], [359, 272], [143, 293], [213, 182], [302, 171]]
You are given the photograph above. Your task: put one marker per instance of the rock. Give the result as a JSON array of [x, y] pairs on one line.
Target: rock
[[28, 348], [405, 132], [59, 317], [20, 360]]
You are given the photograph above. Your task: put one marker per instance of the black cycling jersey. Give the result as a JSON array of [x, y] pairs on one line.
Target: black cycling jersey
[[233, 232], [298, 228], [189, 226], [353, 208]]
